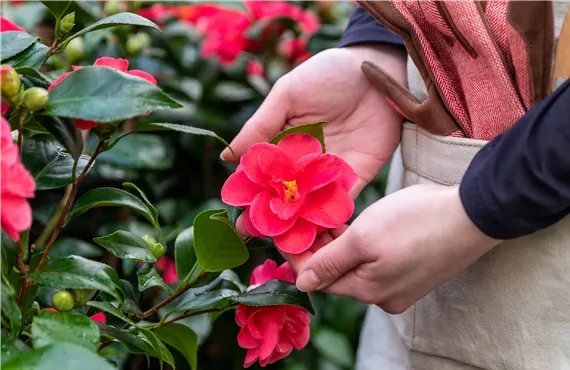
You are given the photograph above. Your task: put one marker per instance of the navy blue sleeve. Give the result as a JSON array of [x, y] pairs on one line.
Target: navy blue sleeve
[[364, 29], [519, 183]]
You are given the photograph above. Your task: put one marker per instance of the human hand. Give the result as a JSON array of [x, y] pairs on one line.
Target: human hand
[[363, 129], [397, 250]]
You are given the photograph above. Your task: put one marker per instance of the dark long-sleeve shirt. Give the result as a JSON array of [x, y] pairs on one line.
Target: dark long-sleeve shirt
[[520, 181]]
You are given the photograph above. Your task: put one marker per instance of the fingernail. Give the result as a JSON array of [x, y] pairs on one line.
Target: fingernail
[[308, 281], [222, 155]]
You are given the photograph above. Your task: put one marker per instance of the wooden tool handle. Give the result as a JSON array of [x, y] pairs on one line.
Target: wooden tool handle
[[562, 58]]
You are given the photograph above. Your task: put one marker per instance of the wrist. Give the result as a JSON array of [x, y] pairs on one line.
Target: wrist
[[390, 58]]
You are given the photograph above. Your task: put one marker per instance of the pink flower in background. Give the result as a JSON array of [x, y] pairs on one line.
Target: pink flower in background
[[270, 333], [99, 317], [7, 25], [254, 68], [289, 190], [295, 50], [16, 184], [168, 269], [157, 12], [118, 64], [263, 10]]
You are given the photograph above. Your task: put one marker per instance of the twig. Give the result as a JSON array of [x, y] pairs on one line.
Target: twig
[[51, 50], [20, 130], [153, 310], [24, 269], [50, 225], [189, 315]]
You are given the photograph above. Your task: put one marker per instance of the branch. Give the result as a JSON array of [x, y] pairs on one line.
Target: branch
[[51, 50]]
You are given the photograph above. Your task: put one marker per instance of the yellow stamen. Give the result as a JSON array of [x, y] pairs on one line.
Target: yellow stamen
[[291, 193]]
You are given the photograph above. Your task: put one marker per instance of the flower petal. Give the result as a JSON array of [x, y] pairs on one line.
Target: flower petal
[[299, 145], [297, 239], [242, 314], [16, 214], [58, 80], [286, 273], [330, 206], [115, 63], [285, 210], [239, 190], [99, 317], [83, 124], [250, 164], [263, 273], [270, 321], [251, 356], [314, 171], [246, 340], [275, 164], [142, 74], [244, 222], [264, 220]]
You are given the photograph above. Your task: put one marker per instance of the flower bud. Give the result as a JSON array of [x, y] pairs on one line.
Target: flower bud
[[157, 250], [74, 50], [137, 42], [62, 301], [82, 296], [35, 98], [149, 240], [112, 7], [35, 308], [10, 83], [65, 25]]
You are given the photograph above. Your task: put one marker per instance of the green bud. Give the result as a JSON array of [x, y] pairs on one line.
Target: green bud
[[35, 98], [157, 250], [112, 7], [137, 42], [10, 83], [35, 308], [82, 296], [74, 50], [149, 240], [62, 301], [65, 25]]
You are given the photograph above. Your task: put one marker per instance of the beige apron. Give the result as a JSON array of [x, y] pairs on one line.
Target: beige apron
[[509, 310]]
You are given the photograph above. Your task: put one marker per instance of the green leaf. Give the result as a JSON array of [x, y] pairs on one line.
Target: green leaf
[[66, 133], [149, 277], [10, 347], [32, 72], [66, 246], [79, 272], [120, 19], [33, 56], [161, 352], [60, 356], [57, 327], [9, 306], [8, 258], [218, 246], [57, 8], [181, 128], [140, 151], [131, 299], [181, 338], [149, 205], [103, 94], [126, 245], [185, 256], [334, 346], [276, 292], [110, 197], [132, 342], [50, 165], [314, 129], [109, 308], [14, 42]]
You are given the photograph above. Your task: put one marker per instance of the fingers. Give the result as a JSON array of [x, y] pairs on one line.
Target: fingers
[[267, 122]]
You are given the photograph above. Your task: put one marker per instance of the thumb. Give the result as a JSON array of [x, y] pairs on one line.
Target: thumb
[[266, 122], [328, 264]]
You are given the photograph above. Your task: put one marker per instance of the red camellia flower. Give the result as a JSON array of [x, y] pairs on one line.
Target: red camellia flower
[[295, 50], [16, 184], [254, 68], [118, 64], [7, 25], [289, 190], [270, 333], [168, 268]]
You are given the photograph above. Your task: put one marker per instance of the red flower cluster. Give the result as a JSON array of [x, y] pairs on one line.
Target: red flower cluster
[[225, 29], [270, 333]]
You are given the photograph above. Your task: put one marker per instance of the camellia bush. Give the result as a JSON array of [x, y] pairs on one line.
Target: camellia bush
[[116, 245]]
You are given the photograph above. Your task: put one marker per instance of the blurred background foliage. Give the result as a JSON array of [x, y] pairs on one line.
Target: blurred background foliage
[[182, 174]]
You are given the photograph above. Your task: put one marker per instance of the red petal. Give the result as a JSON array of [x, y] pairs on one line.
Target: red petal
[[99, 317], [142, 74], [76, 68], [83, 124], [275, 164], [239, 190], [330, 206], [299, 145], [242, 314], [270, 321], [250, 163], [16, 215], [246, 340], [264, 220], [263, 273], [297, 239], [115, 63], [58, 80], [245, 219], [285, 210], [286, 273], [251, 356], [314, 171]]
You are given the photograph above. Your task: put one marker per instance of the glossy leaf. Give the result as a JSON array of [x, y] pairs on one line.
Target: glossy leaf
[[185, 256], [10, 347], [57, 8], [276, 292], [33, 56], [161, 352], [149, 277], [79, 272], [110, 197], [32, 72], [8, 258], [59, 327], [9, 306], [109, 308], [334, 346], [60, 356], [218, 245], [66, 133], [181, 338], [126, 245], [103, 94], [140, 151], [131, 298], [149, 205], [66, 246], [47, 161], [313, 129], [14, 42], [132, 342]]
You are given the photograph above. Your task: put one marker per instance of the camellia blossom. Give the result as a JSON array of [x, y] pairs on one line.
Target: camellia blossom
[[8, 25], [118, 64], [291, 191], [168, 268], [270, 333], [16, 185], [254, 68]]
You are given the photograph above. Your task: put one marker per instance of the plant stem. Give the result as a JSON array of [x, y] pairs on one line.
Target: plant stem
[[69, 203], [189, 315], [50, 225], [20, 130], [51, 50], [153, 310]]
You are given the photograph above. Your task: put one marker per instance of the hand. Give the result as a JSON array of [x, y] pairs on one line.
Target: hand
[[363, 129], [397, 250]]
